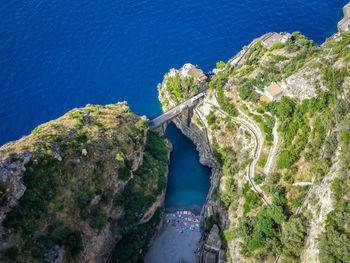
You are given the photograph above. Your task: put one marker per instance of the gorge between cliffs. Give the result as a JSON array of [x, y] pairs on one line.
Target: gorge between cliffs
[[271, 128]]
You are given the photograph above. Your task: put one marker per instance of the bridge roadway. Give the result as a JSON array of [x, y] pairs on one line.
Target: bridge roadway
[[177, 110]]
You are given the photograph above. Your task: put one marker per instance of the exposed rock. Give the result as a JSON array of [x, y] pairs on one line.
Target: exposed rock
[[303, 84], [344, 24], [84, 152], [319, 204], [54, 255], [11, 170]]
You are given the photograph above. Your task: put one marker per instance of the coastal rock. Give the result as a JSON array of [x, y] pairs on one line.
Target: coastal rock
[[69, 191], [344, 24], [11, 170]]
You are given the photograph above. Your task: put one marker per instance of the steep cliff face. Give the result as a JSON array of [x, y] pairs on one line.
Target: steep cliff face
[[79, 184], [274, 128], [344, 24]]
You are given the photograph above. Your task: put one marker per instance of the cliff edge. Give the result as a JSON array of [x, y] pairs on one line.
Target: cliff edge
[[82, 186], [344, 24], [274, 127]]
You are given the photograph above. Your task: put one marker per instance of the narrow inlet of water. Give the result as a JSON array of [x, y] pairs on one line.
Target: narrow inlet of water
[[188, 181]]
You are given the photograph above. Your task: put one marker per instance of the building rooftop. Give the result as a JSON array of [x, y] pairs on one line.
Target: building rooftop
[[265, 99], [273, 89], [197, 73], [276, 37]]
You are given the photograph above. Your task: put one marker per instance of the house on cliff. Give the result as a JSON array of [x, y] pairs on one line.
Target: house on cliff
[[275, 38], [272, 93], [195, 72]]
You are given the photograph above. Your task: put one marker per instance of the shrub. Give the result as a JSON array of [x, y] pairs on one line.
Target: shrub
[[252, 199], [285, 160], [274, 178], [293, 238], [211, 118], [262, 163], [345, 135], [258, 179], [84, 196], [157, 147], [276, 45], [97, 219], [64, 236], [141, 125], [220, 65]]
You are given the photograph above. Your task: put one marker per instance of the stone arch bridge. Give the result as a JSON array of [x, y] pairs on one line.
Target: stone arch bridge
[[160, 123]]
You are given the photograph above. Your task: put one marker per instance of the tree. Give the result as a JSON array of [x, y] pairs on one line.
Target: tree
[[293, 238], [64, 236], [258, 179], [220, 64], [285, 107], [120, 160], [273, 178], [276, 212]]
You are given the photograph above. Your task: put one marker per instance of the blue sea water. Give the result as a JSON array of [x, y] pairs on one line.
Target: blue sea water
[[57, 55], [188, 181]]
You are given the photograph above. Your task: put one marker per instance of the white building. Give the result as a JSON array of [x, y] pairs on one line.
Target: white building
[[273, 92]]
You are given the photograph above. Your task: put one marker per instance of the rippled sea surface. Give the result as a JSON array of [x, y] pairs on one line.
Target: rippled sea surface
[[57, 55]]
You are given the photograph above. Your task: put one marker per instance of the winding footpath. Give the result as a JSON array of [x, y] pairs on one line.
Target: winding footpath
[[257, 151]]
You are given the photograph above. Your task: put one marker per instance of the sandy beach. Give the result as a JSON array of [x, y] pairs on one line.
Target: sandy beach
[[175, 244]]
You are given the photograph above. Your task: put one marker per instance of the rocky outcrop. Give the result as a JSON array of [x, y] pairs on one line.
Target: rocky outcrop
[[344, 24], [11, 170], [63, 187], [318, 204], [303, 84]]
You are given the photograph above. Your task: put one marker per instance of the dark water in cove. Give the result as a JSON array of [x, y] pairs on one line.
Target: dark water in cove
[[57, 55]]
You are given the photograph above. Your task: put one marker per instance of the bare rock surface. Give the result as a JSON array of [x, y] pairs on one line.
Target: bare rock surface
[[344, 24]]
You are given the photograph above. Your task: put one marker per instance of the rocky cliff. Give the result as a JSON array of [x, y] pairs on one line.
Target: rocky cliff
[[344, 24], [274, 128], [81, 186]]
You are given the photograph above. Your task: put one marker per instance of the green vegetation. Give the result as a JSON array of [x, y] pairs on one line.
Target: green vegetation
[[273, 178], [181, 88], [141, 125], [64, 236], [227, 157], [137, 239], [334, 241], [293, 238], [211, 118], [73, 181], [306, 50], [315, 136], [139, 194], [276, 45], [261, 231], [258, 179], [251, 200], [218, 82], [262, 163], [220, 65], [254, 54]]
